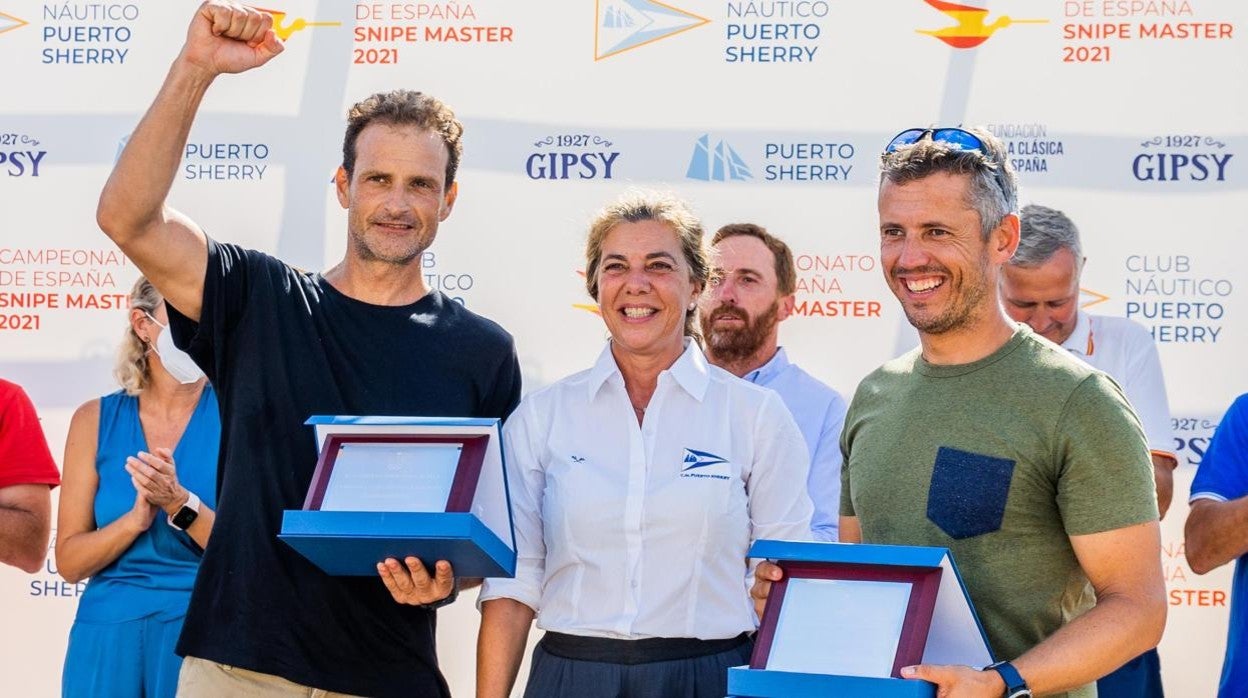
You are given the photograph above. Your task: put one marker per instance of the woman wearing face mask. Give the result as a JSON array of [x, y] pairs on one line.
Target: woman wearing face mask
[[137, 494]]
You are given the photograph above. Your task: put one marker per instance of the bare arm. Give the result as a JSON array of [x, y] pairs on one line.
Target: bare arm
[[1163, 473], [1124, 568], [169, 248], [1215, 533], [1128, 619], [504, 633], [81, 548], [851, 530], [25, 523]]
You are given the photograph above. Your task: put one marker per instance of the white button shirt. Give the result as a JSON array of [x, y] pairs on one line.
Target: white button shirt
[[632, 531], [1125, 350], [820, 414]]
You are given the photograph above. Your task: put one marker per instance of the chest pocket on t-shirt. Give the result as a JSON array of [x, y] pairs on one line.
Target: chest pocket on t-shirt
[[968, 492]]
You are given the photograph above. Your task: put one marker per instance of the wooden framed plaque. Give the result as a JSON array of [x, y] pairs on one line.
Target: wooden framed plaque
[[397, 473], [385, 487], [846, 618]]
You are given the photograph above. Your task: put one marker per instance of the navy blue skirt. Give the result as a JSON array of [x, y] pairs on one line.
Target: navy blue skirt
[[599, 668]]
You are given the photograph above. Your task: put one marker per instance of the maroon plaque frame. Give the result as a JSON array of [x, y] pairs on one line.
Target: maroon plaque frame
[[924, 581], [467, 471]]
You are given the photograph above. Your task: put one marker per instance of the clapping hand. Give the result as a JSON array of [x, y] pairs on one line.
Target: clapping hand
[[156, 479], [141, 515]]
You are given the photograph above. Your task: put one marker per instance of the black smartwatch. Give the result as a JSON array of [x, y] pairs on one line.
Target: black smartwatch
[[1015, 686], [187, 514]]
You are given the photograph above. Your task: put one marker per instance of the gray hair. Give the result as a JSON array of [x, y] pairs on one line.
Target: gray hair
[[1044, 231], [994, 186]]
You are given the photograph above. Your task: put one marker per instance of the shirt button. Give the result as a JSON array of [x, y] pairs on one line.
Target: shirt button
[[634, 583]]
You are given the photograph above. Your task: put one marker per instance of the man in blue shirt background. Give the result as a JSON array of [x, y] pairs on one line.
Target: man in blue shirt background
[[1217, 532], [751, 293]]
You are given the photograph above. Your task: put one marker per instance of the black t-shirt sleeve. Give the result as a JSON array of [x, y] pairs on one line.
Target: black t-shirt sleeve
[[227, 281], [504, 395]]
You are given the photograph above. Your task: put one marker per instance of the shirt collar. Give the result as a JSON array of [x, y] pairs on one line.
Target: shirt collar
[[768, 371], [1080, 339], [690, 371]]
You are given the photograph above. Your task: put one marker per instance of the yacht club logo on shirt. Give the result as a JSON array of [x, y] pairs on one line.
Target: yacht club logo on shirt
[[704, 464]]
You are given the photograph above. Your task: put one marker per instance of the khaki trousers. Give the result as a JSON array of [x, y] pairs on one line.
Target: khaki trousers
[[201, 678]]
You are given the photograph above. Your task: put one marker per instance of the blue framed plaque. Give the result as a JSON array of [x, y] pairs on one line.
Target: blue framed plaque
[[386, 487], [845, 619]]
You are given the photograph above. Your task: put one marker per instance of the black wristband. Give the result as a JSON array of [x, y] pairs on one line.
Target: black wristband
[[450, 599]]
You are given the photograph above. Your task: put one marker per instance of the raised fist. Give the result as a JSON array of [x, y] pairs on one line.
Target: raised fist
[[226, 37]]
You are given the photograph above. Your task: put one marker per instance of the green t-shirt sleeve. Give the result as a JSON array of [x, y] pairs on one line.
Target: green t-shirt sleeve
[[847, 502], [1105, 475]]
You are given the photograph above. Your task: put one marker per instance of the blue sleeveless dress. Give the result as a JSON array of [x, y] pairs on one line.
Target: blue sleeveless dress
[[130, 615]]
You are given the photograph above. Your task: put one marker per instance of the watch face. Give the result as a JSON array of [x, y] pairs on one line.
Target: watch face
[[184, 518]]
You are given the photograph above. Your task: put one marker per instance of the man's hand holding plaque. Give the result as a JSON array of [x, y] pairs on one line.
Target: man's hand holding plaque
[[766, 573], [414, 500], [882, 621], [958, 681], [409, 582]]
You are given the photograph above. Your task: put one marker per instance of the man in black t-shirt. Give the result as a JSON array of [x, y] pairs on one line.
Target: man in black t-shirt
[[279, 344]]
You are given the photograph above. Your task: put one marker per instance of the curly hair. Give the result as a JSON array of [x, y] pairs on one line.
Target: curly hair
[[405, 108]]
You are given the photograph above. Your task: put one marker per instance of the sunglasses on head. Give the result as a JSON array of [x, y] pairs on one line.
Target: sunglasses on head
[[956, 138]]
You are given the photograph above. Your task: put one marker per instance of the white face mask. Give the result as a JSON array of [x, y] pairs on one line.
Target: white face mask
[[178, 363]]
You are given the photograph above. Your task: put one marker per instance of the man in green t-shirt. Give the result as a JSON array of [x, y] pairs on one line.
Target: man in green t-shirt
[[993, 442]]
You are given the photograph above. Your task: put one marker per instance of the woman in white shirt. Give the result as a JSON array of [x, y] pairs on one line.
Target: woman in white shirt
[[637, 488]]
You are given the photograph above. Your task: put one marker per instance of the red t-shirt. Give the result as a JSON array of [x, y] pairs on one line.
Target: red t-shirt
[[24, 455]]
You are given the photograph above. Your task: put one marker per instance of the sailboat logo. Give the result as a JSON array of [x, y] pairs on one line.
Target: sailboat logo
[[626, 24], [718, 163]]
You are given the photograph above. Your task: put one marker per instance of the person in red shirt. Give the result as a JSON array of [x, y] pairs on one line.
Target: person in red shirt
[[27, 476]]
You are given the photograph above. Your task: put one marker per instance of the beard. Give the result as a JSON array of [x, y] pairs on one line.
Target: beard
[[390, 251], [735, 344], [966, 297]]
